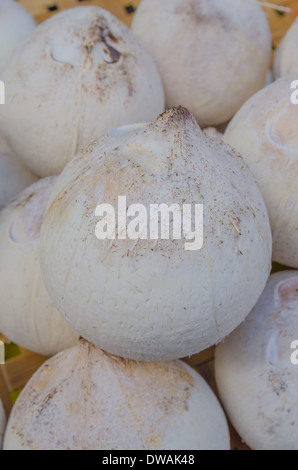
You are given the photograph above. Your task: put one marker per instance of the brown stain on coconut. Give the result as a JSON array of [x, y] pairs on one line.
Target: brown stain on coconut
[[288, 291], [99, 32], [278, 381], [98, 77], [204, 14], [28, 211]]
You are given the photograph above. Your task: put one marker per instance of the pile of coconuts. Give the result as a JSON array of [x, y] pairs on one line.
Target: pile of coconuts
[[96, 112]]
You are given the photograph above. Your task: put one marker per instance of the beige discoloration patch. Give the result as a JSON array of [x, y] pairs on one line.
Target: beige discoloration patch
[[204, 15], [30, 209], [288, 292], [284, 128]]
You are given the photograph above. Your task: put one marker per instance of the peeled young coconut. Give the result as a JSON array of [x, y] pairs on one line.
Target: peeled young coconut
[[80, 74], [2, 423], [85, 399], [15, 25], [156, 299], [212, 54], [256, 379], [286, 59], [14, 177], [264, 131], [27, 315]]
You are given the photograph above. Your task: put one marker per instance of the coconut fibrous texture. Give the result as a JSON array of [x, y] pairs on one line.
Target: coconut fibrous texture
[[264, 132], [256, 377], [286, 60], [14, 177], [2, 423], [79, 75], [212, 54], [27, 315], [86, 399], [16, 24], [154, 298]]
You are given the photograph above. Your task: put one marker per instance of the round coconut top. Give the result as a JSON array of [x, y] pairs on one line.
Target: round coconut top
[[84, 398], [80, 74], [153, 299], [194, 42]]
